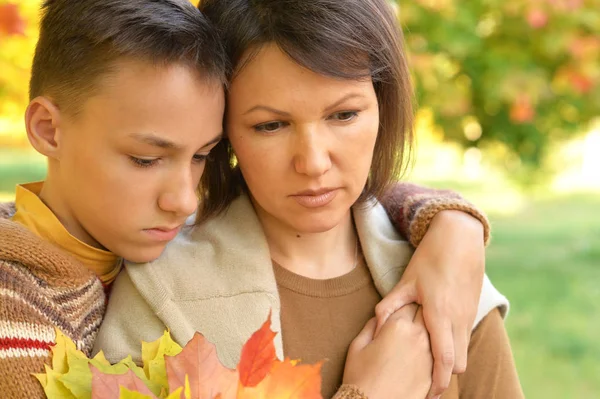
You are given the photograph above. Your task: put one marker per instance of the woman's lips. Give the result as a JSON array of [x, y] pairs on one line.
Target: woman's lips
[[315, 199]]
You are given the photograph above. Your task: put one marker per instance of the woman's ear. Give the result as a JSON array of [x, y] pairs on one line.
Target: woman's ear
[[42, 121]]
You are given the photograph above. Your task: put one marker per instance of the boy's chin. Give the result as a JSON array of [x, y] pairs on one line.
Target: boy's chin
[[144, 256]]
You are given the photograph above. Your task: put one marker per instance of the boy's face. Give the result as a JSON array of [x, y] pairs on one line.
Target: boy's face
[[128, 165]]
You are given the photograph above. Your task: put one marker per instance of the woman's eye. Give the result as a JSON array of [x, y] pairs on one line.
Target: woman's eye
[[269, 127], [344, 116], [143, 162]]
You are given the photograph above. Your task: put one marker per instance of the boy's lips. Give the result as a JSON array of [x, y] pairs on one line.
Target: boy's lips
[[163, 233]]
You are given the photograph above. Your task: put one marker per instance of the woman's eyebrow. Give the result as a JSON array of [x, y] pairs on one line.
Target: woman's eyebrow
[[341, 100], [266, 108]]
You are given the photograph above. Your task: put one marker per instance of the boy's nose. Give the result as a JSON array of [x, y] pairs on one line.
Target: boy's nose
[[180, 197]]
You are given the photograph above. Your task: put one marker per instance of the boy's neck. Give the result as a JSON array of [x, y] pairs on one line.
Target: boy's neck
[[322, 255], [53, 196]]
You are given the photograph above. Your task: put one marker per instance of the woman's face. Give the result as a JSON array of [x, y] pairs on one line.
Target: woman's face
[[304, 141]]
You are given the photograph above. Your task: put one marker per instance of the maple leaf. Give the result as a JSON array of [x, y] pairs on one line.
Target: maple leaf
[[172, 372], [198, 361], [153, 357], [258, 356], [287, 380], [108, 386], [11, 22]]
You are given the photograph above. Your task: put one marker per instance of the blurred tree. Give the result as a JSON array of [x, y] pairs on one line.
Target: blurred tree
[[18, 34], [512, 75], [519, 73]]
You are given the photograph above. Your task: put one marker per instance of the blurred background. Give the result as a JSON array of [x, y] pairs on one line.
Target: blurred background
[[509, 115]]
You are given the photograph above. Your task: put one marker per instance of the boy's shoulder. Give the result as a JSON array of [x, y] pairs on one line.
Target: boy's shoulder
[[42, 288], [18, 245]]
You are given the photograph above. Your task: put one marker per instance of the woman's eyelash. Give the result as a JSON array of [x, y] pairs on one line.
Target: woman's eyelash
[[269, 127], [344, 116]]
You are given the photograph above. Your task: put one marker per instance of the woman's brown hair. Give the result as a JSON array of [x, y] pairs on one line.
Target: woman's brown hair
[[345, 39]]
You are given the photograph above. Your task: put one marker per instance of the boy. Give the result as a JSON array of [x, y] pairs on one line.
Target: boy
[[126, 104]]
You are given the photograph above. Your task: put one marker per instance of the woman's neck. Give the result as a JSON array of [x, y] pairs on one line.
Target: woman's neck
[[322, 255]]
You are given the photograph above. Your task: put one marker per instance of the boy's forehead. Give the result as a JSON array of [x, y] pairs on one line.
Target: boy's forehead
[[142, 97]]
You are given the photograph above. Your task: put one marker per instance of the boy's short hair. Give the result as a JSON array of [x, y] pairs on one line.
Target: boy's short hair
[[80, 40]]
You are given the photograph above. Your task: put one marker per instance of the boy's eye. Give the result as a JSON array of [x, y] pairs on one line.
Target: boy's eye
[[199, 158], [143, 162], [344, 116], [270, 127]]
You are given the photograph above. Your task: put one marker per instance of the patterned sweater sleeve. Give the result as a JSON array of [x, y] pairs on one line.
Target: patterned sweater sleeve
[[41, 289], [412, 207], [349, 392]]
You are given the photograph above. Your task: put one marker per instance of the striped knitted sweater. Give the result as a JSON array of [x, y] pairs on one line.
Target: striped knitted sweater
[[41, 288]]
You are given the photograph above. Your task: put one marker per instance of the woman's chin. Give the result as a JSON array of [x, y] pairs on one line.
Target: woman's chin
[[315, 225]]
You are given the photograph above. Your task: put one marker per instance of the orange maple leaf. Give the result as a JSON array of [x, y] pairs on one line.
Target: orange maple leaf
[[108, 386], [258, 356], [208, 378], [11, 22], [287, 380]]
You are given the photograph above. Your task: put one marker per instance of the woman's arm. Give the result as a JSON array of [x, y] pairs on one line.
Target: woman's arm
[[449, 261], [491, 372]]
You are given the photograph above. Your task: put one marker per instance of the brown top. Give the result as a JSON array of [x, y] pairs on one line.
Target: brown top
[[320, 318]]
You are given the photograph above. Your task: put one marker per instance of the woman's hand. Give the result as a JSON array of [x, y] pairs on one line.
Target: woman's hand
[[445, 276], [395, 364]]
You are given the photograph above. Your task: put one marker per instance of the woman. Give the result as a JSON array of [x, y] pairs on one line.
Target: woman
[[318, 117]]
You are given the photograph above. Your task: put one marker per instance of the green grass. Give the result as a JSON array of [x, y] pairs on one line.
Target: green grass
[[546, 260], [544, 256], [19, 166]]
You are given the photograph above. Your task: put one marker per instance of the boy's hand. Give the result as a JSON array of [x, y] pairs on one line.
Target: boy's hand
[[445, 276], [395, 364]]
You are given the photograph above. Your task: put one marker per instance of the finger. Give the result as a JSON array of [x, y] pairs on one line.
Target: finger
[[419, 316], [397, 298], [461, 348], [407, 312], [365, 336], [442, 347]]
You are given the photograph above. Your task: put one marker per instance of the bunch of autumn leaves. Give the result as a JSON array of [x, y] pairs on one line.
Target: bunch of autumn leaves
[[172, 372]]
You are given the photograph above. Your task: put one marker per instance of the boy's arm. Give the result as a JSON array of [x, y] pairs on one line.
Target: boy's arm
[[449, 234], [25, 338], [411, 209], [41, 289]]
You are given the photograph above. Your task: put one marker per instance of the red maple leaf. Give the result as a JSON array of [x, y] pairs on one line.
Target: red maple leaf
[[258, 356]]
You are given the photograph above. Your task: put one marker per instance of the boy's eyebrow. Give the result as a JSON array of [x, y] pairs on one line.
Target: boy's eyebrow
[[149, 138], [215, 139]]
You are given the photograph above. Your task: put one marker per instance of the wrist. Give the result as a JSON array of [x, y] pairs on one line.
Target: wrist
[[459, 222]]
